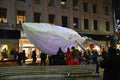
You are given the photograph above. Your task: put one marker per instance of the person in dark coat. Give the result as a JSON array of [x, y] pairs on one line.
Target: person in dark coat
[[19, 58], [34, 56], [23, 56], [60, 57], [43, 57], [14, 53], [111, 65], [52, 59], [104, 53]]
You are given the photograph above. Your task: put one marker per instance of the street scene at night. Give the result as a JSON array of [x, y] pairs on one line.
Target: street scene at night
[[59, 40]]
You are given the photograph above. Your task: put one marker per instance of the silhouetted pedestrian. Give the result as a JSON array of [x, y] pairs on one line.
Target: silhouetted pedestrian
[[19, 58], [23, 56], [14, 54], [111, 65], [43, 57], [104, 53], [34, 56], [52, 59], [60, 57]]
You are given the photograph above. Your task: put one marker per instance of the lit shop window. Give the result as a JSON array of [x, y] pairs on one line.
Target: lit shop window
[[63, 3], [3, 20], [20, 17], [3, 12], [76, 23], [75, 4]]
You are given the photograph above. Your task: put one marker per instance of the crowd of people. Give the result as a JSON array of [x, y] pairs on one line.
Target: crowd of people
[[108, 60], [72, 56]]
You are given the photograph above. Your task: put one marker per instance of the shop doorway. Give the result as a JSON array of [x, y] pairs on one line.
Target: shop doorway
[[25, 44]]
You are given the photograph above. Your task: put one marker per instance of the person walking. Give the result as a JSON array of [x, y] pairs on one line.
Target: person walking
[[34, 56], [23, 56], [14, 54], [19, 59], [43, 57]]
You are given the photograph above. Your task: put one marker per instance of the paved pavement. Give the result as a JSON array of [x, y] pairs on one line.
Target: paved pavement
[[8, 63], [13, 71], [14, 63]]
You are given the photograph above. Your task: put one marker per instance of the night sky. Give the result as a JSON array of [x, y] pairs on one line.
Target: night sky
[[117, 8]]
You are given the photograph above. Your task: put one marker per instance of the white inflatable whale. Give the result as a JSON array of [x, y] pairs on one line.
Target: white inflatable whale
[[49, 38]]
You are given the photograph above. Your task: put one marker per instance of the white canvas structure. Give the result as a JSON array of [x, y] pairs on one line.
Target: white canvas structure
[[49, 38]]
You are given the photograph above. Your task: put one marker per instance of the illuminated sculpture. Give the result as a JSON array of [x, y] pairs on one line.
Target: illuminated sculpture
[[49, 38]]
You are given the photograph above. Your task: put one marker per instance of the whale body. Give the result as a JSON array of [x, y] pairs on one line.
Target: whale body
[[49, 38]]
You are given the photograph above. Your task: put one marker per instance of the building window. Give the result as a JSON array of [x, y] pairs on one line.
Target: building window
[[37, 17], [95, 24], [3, 15], [20, 17], [106, 10], [75, 4], [64, 21], [51, 18], [75, 23], [107, 26], [85, 7], [36, 1], [63, 3], [94, 8], [51, 2], [86, 24]]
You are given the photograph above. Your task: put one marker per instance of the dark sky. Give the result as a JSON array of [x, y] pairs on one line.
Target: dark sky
[[117, 8]]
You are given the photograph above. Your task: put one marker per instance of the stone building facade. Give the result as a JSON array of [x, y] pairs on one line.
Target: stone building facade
[[91, 18]]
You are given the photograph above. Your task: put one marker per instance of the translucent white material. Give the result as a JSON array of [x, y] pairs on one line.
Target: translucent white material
[[48, 38]]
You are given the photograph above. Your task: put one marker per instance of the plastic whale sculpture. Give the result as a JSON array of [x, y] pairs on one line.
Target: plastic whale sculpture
[[49, 38]]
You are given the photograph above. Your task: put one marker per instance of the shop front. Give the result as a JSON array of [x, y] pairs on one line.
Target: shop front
[[104, 41], [25, 44], [9, 39]]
